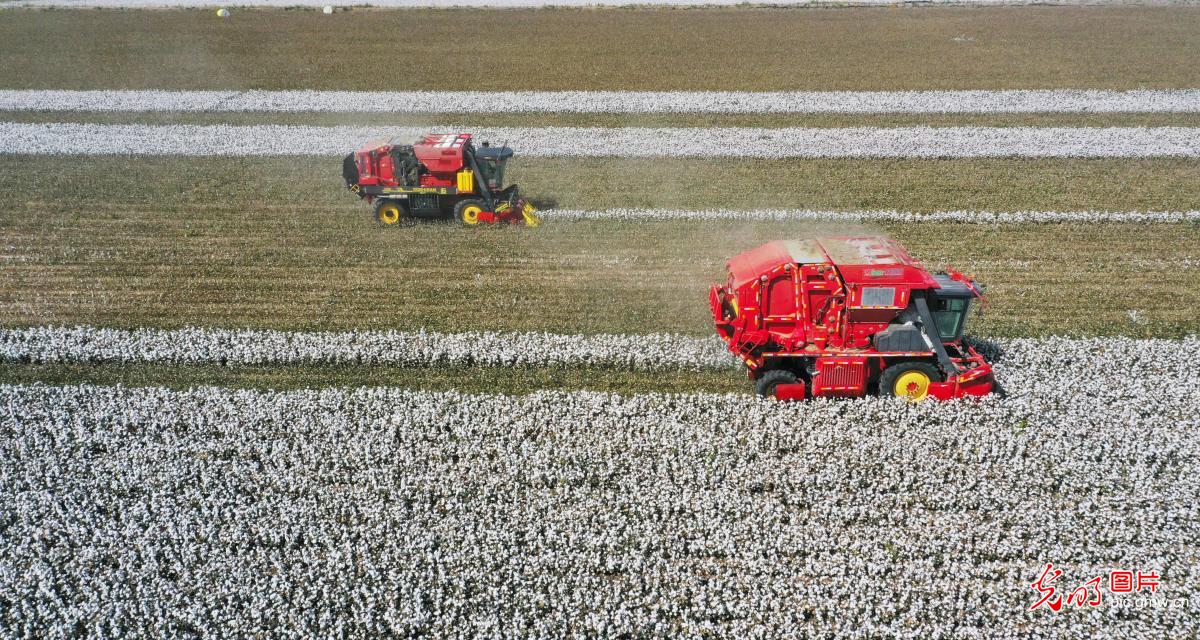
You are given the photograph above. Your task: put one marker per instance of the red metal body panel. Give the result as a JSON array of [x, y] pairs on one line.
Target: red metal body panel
[[796, 391], [367, 158], [976, 381], [751, 264], [823, 300], [442, 154]]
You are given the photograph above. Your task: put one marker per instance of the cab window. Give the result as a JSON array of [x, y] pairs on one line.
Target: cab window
[[949, 313], [493, 171]]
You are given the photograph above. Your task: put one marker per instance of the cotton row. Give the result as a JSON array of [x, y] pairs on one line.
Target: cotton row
[[384, 512], [983, 217], [414, 348], [632, 142], [1013, 101], [658, 351]]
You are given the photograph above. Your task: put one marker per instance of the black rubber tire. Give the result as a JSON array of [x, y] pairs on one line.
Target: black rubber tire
[[887, 380], [462, 207], [384, 210], [768, 381]]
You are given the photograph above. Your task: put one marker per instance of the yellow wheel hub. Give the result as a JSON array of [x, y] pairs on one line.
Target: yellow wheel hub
[[912, 385], [389, 214], [470, 214]]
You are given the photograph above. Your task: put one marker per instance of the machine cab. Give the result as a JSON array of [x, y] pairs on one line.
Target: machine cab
[[492, 161], [950, 304]]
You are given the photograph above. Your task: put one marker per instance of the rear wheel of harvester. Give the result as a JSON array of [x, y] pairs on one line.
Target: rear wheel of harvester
[[770, 380], [388, 212], [468, 211], [909, 380]]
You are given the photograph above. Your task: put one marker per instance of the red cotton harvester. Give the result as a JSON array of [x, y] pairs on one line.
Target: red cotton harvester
[[849, 316], [439, 175]]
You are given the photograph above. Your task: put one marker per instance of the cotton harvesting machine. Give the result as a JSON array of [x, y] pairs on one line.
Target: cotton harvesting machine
[[439, 175], [849, 316]]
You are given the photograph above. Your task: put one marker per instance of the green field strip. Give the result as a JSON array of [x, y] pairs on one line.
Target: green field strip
[[507, 380], [1059, 184], [873, 48]]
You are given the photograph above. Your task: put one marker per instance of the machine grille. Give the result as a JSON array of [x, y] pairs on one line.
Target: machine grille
[[842, 375], [423, 202]]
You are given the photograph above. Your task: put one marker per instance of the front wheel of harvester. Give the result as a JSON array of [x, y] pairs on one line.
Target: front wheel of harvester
[[388, 212], [770, 380], [909, 380], [468, 211]]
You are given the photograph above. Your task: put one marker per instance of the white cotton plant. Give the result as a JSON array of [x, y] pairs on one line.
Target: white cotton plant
[[405, 348], [626, 142], [403, 513]]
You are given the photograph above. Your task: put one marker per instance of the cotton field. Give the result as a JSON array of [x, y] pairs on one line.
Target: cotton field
[[632, 142], [409, 513], [182, 167], [1023, 101]]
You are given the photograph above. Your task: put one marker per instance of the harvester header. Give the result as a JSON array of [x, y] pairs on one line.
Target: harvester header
[[438, 175], [848, 316]]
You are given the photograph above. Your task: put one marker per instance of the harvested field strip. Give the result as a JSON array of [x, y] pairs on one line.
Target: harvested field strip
[[872, 102], [1120, 48], [317, 268], [280, 191], [465, 379], [500, 4], [648, 515], [860, 142], [966, 217]]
